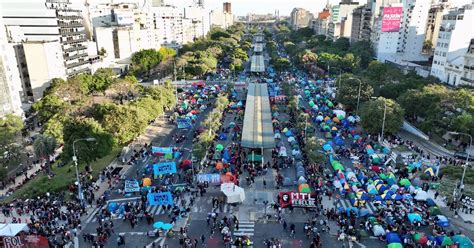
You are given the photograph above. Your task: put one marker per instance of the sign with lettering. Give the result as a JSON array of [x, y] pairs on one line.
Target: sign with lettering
[[164, 168], [391, 19], [213, 179], [162, 150], [159, 199], [295, 199], [131, 186]]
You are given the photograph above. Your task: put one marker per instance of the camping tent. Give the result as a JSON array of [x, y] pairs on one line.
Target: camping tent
[[234, 193], [11, 230]]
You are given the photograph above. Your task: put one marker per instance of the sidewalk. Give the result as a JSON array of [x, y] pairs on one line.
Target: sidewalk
[[19, 179], [426, 145]]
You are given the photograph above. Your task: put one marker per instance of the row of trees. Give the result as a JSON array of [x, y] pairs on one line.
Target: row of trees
[[201, 56], [145, 60], [212, 124], [70, 111]]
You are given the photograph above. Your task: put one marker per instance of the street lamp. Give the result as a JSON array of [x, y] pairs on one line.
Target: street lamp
[[74, 158], [384, 115], [358, 94], [467, 157]]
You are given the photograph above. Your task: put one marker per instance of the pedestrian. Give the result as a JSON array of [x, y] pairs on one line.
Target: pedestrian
[[264, 184], [203, 239], [285, 225]]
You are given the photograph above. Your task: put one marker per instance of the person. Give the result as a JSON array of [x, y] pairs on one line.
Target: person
[[264, 184], [203, 239], [285, 225]]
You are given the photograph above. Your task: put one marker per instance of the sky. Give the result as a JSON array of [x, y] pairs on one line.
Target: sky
[[242, 7]]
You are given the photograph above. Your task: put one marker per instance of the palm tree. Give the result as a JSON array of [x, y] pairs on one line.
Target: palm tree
[[44, 146]]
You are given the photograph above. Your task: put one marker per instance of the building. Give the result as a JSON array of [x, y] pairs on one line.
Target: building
[[357, 22], [10, 82], [454, 43], [435, 16], [468, 68], [341, 20], [227, 7], [221, 19], [168, 21], [320, 24], [49, 20], [374, 9], [386, 41], [200, 20], [300, 18]]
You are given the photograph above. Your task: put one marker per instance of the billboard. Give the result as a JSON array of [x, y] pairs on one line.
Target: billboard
[[391, 19], [295, 199], [124, 18]]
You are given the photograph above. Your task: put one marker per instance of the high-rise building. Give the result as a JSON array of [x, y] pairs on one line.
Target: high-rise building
[[300, 18], [49, 20], [10, 83], [168, 21], [435, 16], [221, 19], [341, 20], [320, 25], [227, 7], [467, 76], [454, 41], [375, 8]]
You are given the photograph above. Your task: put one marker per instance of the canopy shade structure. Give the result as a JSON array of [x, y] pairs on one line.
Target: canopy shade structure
[[259, 37], [258, 130], [257, 63], [258, 47], [11, 230], [235, 194]]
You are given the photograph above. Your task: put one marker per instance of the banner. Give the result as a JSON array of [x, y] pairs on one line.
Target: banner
[[295, 199], [391, 19], [159, 199], [213, 179], [164, 168], [24, 241], [131, 186], [184, 123], [162, 150]]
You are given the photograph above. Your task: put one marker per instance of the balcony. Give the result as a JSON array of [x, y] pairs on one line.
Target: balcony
[[77, 64], [70, 25], [76, 48], [468, 80], [74, 41]]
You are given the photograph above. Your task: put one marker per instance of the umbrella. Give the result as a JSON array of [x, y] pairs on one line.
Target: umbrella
[[405, 182], [186, 162], [462, 241], [219, 147], [167, 226], [232, 124], [158, 225], [423, 240], [334, 128]]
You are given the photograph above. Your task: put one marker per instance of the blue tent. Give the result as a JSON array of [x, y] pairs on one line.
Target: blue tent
[[339, 141], [222, 136], [113, 206], [430, 202], [327, 147], [177, 154], [370, 151], [226, 155], [412, 217], [289, 133], [393, 238]]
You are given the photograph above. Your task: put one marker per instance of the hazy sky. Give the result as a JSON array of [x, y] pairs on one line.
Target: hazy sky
[[242, 7]]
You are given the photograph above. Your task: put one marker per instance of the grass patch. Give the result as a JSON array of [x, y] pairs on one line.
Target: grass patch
[[455, 172], [65, 175]]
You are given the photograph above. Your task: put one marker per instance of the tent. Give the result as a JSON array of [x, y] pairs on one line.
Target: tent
[[219, 147], [395, 245], [442, 221], [421, 195], [378, 230], [222, 136], [393, 238], [146, 181], [405, 182], [434, 210], [304, 188], [462, 241], [234, 193], [12, 229], [412, 217]]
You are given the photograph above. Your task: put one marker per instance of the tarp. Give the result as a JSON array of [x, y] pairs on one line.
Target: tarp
[[234, 193], [12, 229]]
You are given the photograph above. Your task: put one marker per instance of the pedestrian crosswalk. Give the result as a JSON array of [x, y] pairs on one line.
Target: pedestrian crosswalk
[[201, 205], [345, 203], [246, 228]]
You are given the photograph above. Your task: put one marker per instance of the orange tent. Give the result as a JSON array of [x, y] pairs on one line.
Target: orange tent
[[228, 174], [304, 188], [146, 181], [335, 119], [219, 166]]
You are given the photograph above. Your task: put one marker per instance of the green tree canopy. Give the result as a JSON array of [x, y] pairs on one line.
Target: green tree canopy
[[44, 146], [282, 64], [10, 127], [144, 60], [348, 90], [372, 114]]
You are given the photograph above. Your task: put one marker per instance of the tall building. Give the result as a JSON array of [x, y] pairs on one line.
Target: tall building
[[467, 76], [320, 24], [385, 40], [300, 18], [341, 20], [10, 83], [374, 9], [168, 20], [435, 16], [221, 19], [454, 42], [227, 7]]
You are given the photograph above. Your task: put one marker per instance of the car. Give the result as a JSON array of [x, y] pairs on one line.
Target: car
[[463, 156]]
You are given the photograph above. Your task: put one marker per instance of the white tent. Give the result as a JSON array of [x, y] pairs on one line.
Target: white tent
[[421, 195], [339, 112], [234, 193], [11, 230]]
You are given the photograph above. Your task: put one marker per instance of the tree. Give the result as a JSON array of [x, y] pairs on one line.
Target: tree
[[84, 127], [282, 64], [239, 53], [342, 44], [312, 150], [125, 122], [102, 51], [144, 60], [44, 147], [122, 89], [10, 126], [54, 127], [306, 57], [372, 115], [167, 52], [348, 91]]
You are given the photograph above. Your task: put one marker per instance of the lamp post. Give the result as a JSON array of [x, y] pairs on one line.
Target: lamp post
[[384, 115], [358, 94], [74, 158], [467, 157]]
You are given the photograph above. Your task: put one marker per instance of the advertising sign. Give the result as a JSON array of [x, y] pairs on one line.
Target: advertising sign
[[164, 168], [131, 186], [391, 19], [24, 241], [213, 179], [162, 150], [295, 199], [124, 18], [161, 198]]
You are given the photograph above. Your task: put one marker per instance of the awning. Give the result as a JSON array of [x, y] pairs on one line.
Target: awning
[[11, 230], [257, 63], [257, 130]]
